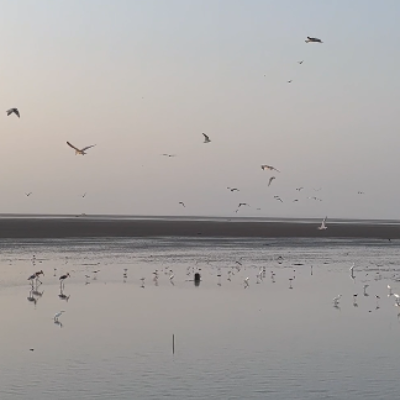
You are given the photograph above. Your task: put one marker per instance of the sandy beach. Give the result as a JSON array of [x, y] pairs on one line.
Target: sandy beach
[[70, 227]]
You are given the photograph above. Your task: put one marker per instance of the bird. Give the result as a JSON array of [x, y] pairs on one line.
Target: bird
[[243, 204], [28, 194], [62, 278], [365, 290], [290, 81], [313, 40], [84, 195], [270, 180], [336, 300], [300, 188], [323, 226], [182, 203], [58, 315], [352, 270], [300, 62], [390, 291], [359, 192], [80, 151], [233, 189], [13, 110], [278, 198], [206, 138], [270, 167], [168, 155]]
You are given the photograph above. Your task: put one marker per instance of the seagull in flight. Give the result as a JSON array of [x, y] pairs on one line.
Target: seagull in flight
[[270, 167], [28, 194], [168, 155], [313, 40], [243, 204], [13, 110], [290, 81], [80, 151], [206, 138], [182, 203], [360, 192], [278, 198], [270, 180], [84, 195], [299, 188], [233, 189], [323, 226], [300, 62]]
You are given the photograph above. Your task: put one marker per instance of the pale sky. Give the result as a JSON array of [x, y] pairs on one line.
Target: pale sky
[[144, 77]]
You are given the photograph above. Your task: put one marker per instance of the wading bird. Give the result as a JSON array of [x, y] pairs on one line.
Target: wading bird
[[323, 226]]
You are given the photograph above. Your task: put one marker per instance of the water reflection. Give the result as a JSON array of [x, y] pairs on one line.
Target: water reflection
[[63, 296]]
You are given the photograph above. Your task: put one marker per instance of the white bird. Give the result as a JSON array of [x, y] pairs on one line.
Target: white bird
[[58, 315], [270, 180], [290, 81], [171, 277], [243, 204], [352, 270], [206, 138], [336, 300], [397, 298], [269, 167], [278, 198], [246, 282], [13, 110], [390, 291], [313, 40], [365, 290], [323, 226], [80, 151], [182, 203]]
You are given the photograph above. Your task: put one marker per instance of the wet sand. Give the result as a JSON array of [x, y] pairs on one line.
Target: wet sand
[[31, 228]]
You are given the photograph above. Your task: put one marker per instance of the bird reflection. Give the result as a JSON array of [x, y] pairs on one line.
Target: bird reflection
[[31, 298], [59, 323], [62, 296], [290, 283]]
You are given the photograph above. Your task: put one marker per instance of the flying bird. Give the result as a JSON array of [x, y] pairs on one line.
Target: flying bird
[[313, 40], [206, 138], [323, 226], [28, 194], [290, 81], [58, 315], [270, 180], [360, 192], [243, 204], [270, 167], [300, 188], [278, 198], [233, 189], [84, 195], [300, 62], [182, 203], [13, 110], [80, 151], [168, 155]]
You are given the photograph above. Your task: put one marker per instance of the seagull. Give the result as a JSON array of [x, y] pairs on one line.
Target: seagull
[[290, 81], [336, 300], [352, 270], [84, 195], [313, 40], [80, 151], [58, 315], [390, 291], [300, 62], [206, 138], [233, 189], [278, 198], [323, 226], [13, 110], [365, 290], [270, 180], [295, 200], [243, 204], [168, 155], [182, 203], [299, 188], [397, 297], [360, 192], [28, 194], [270, 167]]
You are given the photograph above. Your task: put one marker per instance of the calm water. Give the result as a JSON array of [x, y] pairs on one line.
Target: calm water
[[276, 339]]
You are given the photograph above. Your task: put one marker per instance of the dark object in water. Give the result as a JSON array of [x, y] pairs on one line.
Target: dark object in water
[[197, 279]]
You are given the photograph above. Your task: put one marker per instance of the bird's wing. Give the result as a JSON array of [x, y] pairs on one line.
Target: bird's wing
[[206, 136], [17, 112], [88, 147], [71, 145]]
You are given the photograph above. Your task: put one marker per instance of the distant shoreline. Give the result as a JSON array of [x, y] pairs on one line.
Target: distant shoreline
[[43, 227]]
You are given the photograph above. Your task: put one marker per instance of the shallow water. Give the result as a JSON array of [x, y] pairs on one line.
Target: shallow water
[[275, 339]]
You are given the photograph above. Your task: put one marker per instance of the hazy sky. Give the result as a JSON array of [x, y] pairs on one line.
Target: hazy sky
[[144, 77]]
